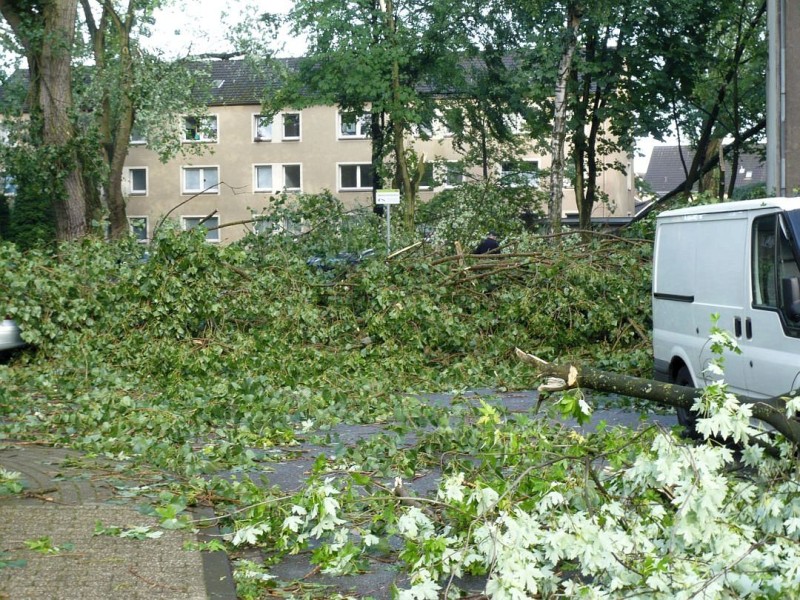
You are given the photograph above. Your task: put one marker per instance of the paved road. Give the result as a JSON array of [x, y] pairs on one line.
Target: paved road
[[66, 497]]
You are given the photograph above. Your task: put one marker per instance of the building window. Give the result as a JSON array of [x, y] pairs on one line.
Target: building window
[[9, 185], [262, 128], [262, 178], [137, 181], [292, 181], [291, 126], [354, 125], [520, 173], [515, 123], [432, 126], [454, 174], [427, 181], [355, 177], [269, 224], [200, 129], [200, 180], [423, 131], [138, 228], [137, 136], [209, 223]]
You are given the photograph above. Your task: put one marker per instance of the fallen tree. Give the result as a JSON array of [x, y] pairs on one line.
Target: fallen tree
[[771, 411]]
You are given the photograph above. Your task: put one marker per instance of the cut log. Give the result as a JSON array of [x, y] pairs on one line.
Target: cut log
[[771, 411]]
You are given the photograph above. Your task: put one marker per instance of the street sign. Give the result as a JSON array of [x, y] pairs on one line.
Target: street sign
[[387, 197]]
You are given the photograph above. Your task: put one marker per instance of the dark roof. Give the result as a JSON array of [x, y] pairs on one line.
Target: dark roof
[[229, 82], [665, 171], [244, 81]]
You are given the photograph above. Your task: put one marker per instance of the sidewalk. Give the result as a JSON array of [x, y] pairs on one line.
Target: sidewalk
[[63, 501]]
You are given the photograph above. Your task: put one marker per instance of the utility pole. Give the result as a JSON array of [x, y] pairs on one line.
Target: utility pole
[[783, 98]]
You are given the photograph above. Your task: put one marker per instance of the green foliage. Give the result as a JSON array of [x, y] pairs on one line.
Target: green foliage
[[204, 359], [750, 192], [328, 227], [38, 176], [238, 346], [141, 532], [467, 213], [10, 482], [4, 217], [45, 545]]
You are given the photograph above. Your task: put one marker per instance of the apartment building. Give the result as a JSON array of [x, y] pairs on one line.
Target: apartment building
[[237, 160]]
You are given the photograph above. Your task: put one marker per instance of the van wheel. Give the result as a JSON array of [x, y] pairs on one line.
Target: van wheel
[[686, 418]]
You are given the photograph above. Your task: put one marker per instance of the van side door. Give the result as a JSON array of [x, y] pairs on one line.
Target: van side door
[[721, 288]]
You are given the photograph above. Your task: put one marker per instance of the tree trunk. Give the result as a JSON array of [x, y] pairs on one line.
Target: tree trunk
[[398, 131], [114, 124], [55, 103], [47, 37], [771, 411], [560, 120], [589, 197]]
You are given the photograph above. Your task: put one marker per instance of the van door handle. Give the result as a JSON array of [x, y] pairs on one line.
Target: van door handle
[[737, 326], [748, 328]]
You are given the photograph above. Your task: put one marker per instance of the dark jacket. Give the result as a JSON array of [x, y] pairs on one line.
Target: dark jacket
[[489, 245]]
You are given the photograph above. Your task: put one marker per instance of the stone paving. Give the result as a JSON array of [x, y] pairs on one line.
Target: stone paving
[[61, 504]]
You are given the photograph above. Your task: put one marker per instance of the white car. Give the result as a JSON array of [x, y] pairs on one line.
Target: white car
[[10, 337]]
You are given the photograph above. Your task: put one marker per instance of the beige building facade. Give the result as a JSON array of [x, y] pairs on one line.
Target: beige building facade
[[235, 161]]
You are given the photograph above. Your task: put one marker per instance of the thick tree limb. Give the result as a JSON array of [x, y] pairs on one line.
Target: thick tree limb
[[771, 411]]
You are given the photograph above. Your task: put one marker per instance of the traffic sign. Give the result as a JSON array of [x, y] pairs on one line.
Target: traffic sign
[[387, 197]]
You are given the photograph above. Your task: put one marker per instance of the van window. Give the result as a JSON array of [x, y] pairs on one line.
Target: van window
[[765, 287], [774, 262]]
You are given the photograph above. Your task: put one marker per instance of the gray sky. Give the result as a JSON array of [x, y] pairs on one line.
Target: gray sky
[[199, 26]]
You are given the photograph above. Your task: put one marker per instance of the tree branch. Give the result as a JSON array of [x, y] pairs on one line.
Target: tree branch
[[771, 411]]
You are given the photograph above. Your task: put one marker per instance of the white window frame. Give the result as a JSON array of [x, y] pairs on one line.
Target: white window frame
[[516, 123], [423, 186], [132, 228], [203, 123], [212, 221], [447, 166], [9, 187], [291, 138], [359, 184], [270, 225], [438, 128], [256, 188], [533, 178], [136, 138], [424, 132], [202, 169], [362, 126], [258, 126], [129, 178], [283, 177]]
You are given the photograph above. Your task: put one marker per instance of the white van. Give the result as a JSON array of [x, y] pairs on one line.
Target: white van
[[738, 260]]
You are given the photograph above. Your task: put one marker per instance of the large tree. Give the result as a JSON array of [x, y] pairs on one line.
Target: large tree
[[106, 81], [606, 72], [128, 85], [45, 31], [391, 57], [112, 50]]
